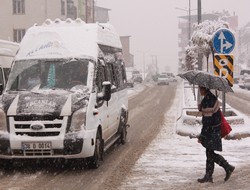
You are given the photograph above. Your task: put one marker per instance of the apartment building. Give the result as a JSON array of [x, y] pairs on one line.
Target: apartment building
[[244, 46], [16, 16]]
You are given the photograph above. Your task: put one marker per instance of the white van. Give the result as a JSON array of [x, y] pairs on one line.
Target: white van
[[66, 96], [8, 51]]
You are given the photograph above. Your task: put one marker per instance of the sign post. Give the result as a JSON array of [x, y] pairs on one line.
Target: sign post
[[224, 43]]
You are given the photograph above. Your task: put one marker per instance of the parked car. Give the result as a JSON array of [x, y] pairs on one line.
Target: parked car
[[163, 79], [244, 73], [137, 76], [130, 83], [246, 83], [171, 76]]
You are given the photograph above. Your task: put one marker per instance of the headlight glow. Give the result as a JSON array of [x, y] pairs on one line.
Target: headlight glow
[[78, 120]]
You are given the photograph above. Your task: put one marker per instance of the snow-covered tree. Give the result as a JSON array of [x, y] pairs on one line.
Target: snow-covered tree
[[201, 41], [190, 58]]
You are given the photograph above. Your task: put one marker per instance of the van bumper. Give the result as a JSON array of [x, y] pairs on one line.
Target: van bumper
[[72, 147]]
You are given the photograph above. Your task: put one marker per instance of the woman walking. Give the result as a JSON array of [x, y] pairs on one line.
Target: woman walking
[[210, 136]]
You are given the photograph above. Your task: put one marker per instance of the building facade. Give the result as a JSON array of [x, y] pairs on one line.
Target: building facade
[[101, 14], [244, 47], [16, 16], [128, 58]]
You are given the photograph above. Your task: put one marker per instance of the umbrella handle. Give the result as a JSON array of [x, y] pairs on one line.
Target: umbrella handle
[[194, 92]]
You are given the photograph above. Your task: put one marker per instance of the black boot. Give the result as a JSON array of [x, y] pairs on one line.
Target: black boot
[[209, 172], [229, 170], [227, 167], [205, 179]]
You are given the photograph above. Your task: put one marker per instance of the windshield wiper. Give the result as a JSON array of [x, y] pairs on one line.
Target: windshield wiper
[[16, 90]]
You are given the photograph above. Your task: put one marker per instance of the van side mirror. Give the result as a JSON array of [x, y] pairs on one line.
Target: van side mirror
[[1, 89], [106, 90]]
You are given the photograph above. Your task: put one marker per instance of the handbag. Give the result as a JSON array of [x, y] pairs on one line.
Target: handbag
[[225, 128]]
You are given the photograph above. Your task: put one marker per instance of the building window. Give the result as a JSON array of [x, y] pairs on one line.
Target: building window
[[18, 6], [71, 10], [62, 7], [18, 35]]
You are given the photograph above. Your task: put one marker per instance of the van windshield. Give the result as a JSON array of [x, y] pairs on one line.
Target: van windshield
[[47, 74]]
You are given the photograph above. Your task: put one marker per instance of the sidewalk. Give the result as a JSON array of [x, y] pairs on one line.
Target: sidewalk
[[189, 121], [175, 162]]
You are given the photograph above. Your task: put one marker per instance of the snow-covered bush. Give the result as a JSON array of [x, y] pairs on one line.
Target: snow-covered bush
[[201, 41]]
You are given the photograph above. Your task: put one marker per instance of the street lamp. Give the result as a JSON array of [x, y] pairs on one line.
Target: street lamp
[[144, 54]]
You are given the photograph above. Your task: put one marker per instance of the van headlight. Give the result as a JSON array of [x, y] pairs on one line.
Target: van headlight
[[3, 122], [78, 120]]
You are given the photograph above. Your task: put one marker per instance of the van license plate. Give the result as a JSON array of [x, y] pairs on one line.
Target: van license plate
[[36, 145]]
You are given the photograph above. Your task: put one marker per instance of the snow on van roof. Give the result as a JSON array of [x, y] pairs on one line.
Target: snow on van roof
[[67, 39]]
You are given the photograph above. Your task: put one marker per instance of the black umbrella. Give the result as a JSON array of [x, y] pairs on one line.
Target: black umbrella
[[208, 80]]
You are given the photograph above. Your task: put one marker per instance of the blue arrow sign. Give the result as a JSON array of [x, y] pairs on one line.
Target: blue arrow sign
[[223, 41]]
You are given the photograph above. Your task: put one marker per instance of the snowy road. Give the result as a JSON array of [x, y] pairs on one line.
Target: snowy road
[[147, 108], [154, 157]]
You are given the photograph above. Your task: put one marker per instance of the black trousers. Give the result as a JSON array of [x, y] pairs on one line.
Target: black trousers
[[212, 158]]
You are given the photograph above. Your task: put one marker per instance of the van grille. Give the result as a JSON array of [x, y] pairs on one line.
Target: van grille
[[39, 134], [37, 118], [52, 125]]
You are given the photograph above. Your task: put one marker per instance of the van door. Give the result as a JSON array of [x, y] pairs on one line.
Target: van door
[[2, 80], [101, 105], [117, 97]]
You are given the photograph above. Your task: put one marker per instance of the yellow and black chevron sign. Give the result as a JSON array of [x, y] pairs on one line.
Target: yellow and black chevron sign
[[223, 66]]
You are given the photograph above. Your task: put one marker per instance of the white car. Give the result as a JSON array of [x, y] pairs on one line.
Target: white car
[[244, 73], [163, 79], [246, 83]]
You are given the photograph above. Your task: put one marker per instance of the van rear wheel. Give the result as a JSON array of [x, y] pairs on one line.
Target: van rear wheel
[[95, 161]]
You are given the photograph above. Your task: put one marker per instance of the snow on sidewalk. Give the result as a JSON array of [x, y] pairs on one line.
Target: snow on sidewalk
[[172, 161]]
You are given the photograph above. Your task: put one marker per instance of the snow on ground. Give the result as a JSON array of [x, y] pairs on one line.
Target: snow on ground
[[172, 161], [189, 122]]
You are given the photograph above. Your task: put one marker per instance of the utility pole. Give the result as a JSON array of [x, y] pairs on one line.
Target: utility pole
[[143, 65], [144, 61], [154, 63], [199, 21], [199, 11], [199, 54], [189, 23], [189, 19]]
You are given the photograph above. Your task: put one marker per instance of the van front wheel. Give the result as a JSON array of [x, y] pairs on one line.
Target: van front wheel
[[95, 161]]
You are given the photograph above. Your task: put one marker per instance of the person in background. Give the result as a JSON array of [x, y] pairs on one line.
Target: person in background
[[33, 80], [210, 136]]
